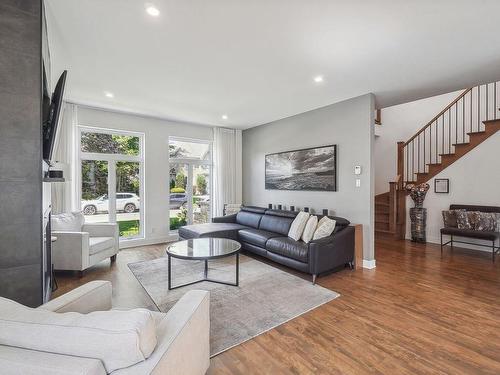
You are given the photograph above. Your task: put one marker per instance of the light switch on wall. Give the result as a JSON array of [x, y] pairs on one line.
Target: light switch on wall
[[358, 182]]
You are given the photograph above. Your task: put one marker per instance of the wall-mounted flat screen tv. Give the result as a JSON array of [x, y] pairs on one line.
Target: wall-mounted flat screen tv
[[51, 116]]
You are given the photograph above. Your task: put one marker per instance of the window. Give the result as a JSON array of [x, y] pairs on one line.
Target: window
[[190, 182], [112, 164]]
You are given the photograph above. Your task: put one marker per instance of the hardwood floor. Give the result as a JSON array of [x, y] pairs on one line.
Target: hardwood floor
[[416, 313]]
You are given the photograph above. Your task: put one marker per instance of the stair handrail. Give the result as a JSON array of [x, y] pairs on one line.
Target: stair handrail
[[438, 116]]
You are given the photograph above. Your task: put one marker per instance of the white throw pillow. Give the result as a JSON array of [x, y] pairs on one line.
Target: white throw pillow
[[118, 338], [70, 222], [326, 226], [310, 228], [298, 225]]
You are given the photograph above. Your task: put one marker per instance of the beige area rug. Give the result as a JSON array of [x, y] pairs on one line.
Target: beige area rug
[[265, 298]]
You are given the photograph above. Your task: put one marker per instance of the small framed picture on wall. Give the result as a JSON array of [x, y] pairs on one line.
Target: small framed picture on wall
[[441, 185]]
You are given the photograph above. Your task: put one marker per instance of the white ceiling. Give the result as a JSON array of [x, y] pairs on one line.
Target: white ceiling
[[255, 60]]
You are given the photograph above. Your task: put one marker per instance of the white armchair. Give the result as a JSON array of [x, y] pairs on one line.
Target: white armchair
[[80, 246], [182, 338]]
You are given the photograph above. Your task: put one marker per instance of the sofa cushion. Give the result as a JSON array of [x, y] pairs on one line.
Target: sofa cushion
[[276, 223], [221, 230], [98, 244], [248, 219], [257, 237], [289, 248], [118, 338], [70, 222], [254, 209], [491, 236]]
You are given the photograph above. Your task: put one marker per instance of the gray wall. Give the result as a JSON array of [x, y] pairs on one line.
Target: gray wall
[[349, 125], [20, 151]]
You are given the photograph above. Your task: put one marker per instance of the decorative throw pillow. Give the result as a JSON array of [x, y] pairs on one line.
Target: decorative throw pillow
[[463, 220], [450, 218], [486, 221], [298, 225], [326, 226], [497, 221], [473, 217], [310, 228]]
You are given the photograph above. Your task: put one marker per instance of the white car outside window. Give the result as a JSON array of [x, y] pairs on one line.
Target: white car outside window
[[127, 202]]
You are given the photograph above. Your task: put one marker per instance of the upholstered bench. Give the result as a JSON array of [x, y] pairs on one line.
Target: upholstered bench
[[492, 236]]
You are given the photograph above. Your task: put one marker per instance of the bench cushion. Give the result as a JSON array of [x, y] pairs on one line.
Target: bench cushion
[[220, 230], [491, 236]]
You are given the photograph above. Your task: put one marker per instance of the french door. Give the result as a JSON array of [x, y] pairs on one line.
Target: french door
[[111, 174], [190, 182]]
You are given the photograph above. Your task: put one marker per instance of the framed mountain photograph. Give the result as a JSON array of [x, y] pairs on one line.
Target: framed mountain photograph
[[307, 169]]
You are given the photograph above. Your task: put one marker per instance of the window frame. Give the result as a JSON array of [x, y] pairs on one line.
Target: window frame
[[190, 162], [112, 159]]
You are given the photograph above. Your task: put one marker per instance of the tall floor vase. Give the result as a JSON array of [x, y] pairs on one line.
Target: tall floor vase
[[418, 216]]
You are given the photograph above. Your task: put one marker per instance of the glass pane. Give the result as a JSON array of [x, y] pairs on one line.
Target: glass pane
[[128, 203], [110, 143], [201, 194], [178, 196], [95, 204], [189, 150]]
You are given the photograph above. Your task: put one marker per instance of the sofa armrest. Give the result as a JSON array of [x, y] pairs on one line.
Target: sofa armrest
[[332, 251], [92, 296], [183, 338], [70, 251], [101, 229], [15, 361], [225, 219]]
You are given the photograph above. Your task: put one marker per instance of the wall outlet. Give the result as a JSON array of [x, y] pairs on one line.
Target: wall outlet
[[358, 182]]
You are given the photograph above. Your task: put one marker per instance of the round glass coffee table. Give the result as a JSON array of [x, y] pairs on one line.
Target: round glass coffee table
[[203, 249]]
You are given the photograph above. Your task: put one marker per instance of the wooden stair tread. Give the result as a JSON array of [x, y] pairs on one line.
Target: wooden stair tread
[[460, 144], [384, 231], [479, 132]]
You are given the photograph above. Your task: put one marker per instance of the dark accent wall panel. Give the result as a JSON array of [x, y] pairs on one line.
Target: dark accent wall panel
[[20, 151]]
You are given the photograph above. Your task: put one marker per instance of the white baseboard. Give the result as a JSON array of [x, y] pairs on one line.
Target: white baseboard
[[147, 241], [369, 264]]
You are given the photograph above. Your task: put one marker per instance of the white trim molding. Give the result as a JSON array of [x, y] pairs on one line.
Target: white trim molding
[[369, 264]]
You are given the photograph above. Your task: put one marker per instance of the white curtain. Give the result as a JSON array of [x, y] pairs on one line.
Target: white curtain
[[64, 194], [227, 168]]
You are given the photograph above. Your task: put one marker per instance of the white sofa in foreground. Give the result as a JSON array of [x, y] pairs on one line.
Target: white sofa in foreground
[[176, 342]]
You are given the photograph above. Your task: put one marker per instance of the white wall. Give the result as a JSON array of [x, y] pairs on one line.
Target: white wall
[[474, 179], [399, 123], [156, 160], [348, 124]]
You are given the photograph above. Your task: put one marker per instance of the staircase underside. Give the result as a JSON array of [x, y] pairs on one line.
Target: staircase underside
[[475, 139]]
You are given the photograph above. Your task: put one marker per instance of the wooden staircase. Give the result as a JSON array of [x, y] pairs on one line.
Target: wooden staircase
[[463, 125]]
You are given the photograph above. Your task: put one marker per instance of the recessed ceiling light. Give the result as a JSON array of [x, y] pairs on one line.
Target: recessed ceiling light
[[318, 79], [152, 10], [224, 117], [109, 94]]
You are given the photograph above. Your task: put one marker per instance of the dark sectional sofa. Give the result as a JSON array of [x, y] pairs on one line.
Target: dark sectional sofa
[[265, 232]]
